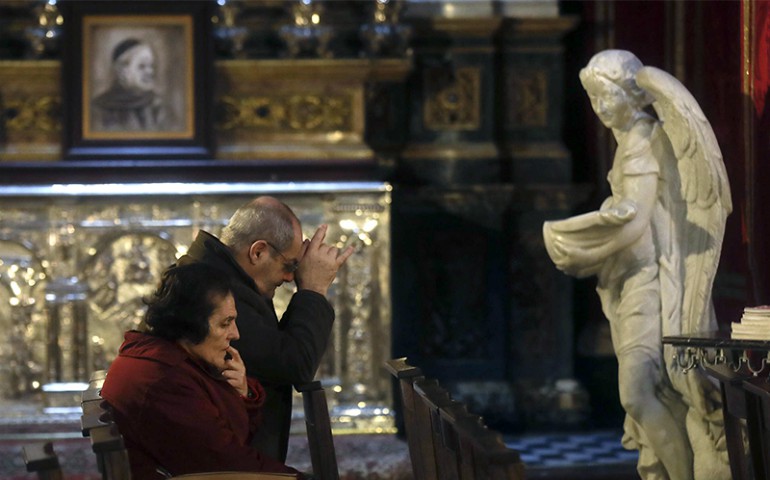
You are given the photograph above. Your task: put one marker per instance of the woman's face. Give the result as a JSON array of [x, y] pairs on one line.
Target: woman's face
[[222, 330], [610, 102]]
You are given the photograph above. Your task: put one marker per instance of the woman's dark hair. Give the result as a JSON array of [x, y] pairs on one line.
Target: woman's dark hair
[[181, 306]]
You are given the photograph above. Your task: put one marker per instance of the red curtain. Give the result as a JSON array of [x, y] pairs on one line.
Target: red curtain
[[755, 52]]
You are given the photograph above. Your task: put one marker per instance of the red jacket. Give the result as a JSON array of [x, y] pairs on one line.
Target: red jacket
[[176, 414]]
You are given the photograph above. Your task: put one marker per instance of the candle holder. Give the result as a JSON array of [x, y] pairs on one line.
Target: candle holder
[[230, 37], [384, 36], [307, 36], [44, 37]]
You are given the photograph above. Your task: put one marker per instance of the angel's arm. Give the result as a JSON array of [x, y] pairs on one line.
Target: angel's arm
[[579, 245], [640, 195], [607, 215]]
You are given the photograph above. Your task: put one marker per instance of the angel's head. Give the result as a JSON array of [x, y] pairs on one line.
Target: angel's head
[[610, 82]]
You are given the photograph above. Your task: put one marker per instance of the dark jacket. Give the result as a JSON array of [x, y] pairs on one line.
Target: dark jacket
[[279, 354], [178, 414]]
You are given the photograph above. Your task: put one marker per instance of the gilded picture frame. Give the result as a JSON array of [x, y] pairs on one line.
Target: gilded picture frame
[[137, 81]]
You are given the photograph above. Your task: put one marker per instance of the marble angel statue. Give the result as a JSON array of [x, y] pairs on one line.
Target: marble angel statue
[[654, 246]]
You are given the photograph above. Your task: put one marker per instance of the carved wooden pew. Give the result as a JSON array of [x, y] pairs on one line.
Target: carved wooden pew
[[491, 458], [757, 396], [41, 459], [419, 439], [455, 422], [431, 399], [97, 423], [447, 442], [735, 413], [323, 456]]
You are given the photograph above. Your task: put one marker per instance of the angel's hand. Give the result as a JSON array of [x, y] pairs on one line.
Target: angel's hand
[[623, 212]]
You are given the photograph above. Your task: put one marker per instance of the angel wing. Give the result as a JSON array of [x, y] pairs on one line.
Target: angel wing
[[703, 195]]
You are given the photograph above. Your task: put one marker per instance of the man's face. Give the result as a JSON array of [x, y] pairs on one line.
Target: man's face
[[278, 269], [136, 68]]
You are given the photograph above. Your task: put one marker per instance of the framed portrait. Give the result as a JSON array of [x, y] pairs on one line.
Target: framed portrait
[[137, 79]]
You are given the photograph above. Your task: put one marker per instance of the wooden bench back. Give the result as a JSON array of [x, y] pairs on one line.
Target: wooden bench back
[[41, 459], [446, 442], [418, 433], [97, 423], [319, 431]]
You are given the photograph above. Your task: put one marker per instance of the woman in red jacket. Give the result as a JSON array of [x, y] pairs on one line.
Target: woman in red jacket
[[179, 391]]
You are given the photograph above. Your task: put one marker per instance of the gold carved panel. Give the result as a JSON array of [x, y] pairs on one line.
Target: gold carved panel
[[30, 110], [291, 109], [264, 109], [453, 98], [528, 105], [293, 112]]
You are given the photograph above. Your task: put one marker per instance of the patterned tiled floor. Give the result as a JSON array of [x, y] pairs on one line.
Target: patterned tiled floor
[[574, 449]]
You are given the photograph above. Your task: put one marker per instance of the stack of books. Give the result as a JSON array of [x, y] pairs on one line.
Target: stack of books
[[754, 324]]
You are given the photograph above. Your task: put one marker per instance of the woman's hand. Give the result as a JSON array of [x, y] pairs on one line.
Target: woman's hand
[[235, 371]]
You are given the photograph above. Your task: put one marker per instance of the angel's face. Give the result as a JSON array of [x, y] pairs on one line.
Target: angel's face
[[610, 102]]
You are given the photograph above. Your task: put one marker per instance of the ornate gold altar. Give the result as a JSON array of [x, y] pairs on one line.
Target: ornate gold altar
[[76, 261]]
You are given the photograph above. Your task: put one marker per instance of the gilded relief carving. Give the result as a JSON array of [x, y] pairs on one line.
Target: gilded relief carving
[[275, 109], [316, 112], [74, 270], [249, 112], [529, 98], [26, 116], [30, 110], [121, 271], [287, 113], [361, 225], [453, 98], [22, 282]]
